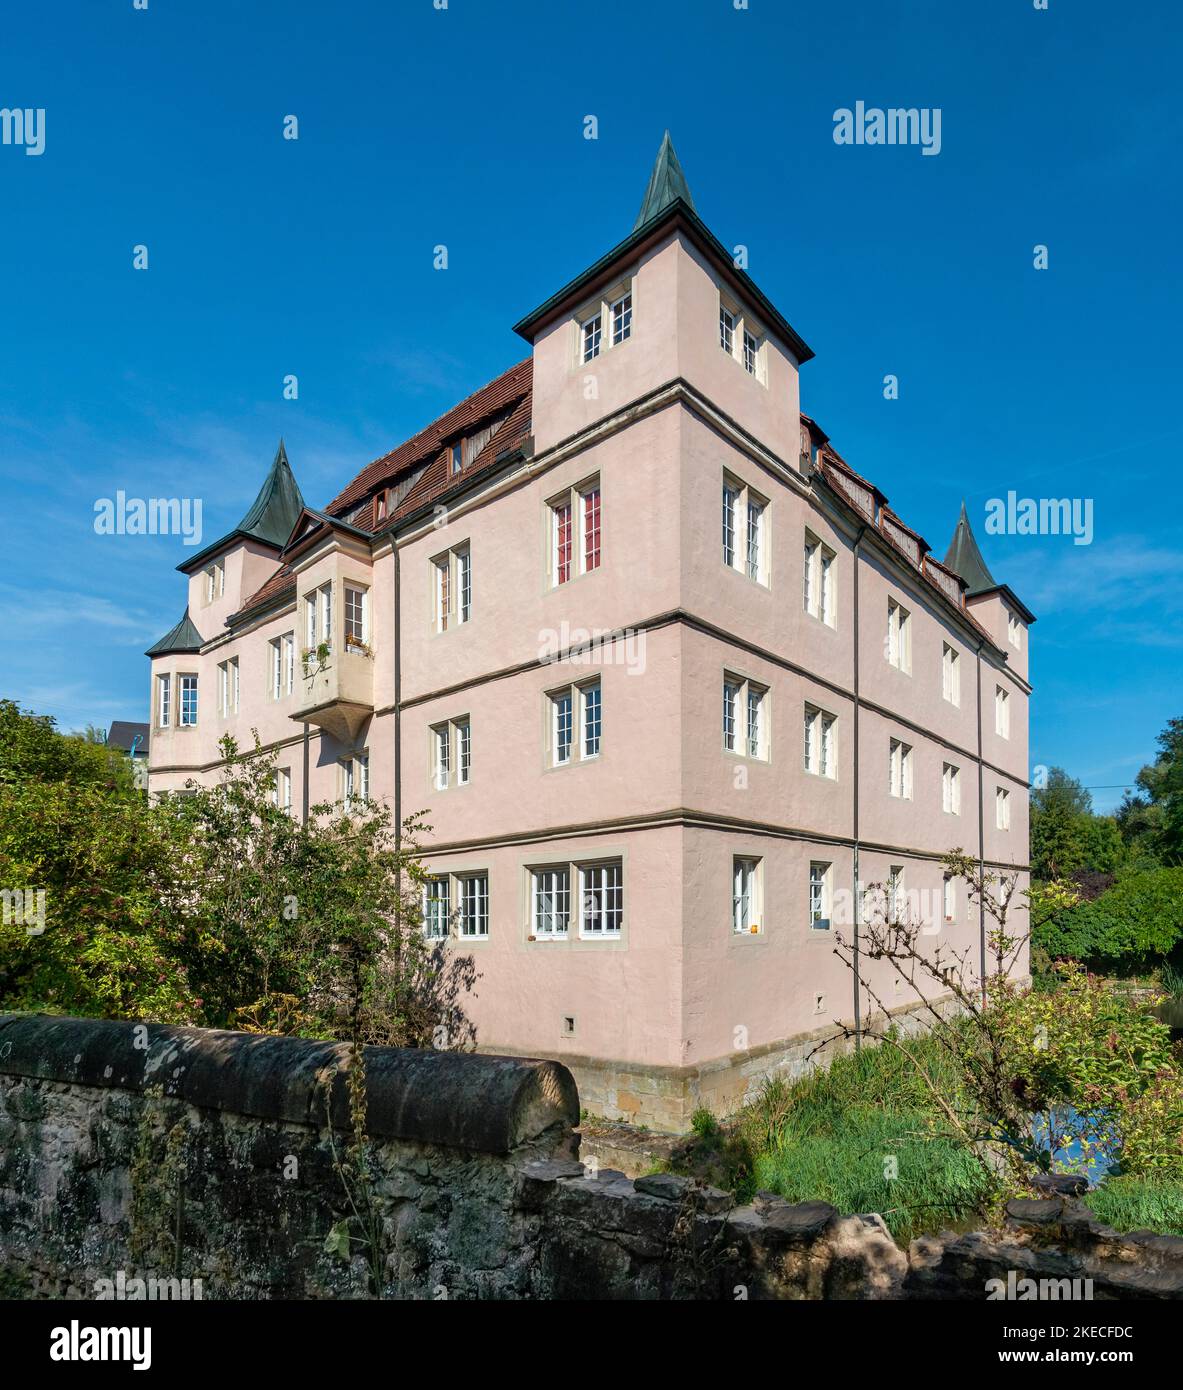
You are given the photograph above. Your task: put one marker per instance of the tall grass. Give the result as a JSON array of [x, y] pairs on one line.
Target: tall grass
[[866, 1135], [1139, 1204]]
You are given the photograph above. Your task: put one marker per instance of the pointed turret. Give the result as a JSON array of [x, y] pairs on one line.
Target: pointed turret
[[273, 513], [965, 559], [182, 638], [667, 184], [269, 518]]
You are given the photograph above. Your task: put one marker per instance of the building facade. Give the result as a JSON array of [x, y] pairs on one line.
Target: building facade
[[670, 680]]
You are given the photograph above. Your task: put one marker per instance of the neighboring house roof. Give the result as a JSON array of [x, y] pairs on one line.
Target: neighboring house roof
[[965, 558], [182, 638], [125, 735], [269, 518], [667, 183]]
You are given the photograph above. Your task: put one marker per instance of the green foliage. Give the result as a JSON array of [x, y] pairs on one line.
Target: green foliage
[[1139, 1204], [73, 825], [312, 928], [216, 908], [865, 1134], [1135, 924], [1151, 818], [1059, 812], [703, 1123]]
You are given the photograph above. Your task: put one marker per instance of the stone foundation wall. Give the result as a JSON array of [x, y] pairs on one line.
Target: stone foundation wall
[[135, 1152]]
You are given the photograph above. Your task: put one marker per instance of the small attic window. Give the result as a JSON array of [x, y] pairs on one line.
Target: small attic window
[[457, 456], [380, 507]]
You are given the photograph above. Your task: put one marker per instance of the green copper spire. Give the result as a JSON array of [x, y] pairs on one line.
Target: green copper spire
[[667, 183], [182, 638], [273, 513], [965, 559]]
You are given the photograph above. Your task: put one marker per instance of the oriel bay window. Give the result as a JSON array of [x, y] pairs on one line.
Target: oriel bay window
[[318, 619], [576, 537], [357, 616], [188, 701], [745, 717], [745, 540], [576, 723]]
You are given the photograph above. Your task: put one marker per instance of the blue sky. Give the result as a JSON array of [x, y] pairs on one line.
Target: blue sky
[[465, 127]]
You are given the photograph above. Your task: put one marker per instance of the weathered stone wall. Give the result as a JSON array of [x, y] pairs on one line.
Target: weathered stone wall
[[169, 1152]]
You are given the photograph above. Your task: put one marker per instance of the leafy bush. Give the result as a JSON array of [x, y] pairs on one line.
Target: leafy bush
[[1136, 923]]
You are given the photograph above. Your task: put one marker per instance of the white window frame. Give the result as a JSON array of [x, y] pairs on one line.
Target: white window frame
[[819, 576], [742, 739], [896, 892], [451, 588], [742, 338], [1001, 808], [899, 769], [318, 617], [819, 751], [552, 882], [745, 538], [583, 703], [188, 681], [356, 613], [451, 753], [746, 895], [437, 926], [820, 904], [950, 674], [472, 892], [598, 325], [282, 790], [899, 636], [164, 700], [583, 522], [949, 898], [950, 789], [1014, 631], [1001, 712], [602, 876]]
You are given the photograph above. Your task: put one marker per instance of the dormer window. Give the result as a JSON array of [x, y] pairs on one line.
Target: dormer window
[[607, 323], [380, 508]]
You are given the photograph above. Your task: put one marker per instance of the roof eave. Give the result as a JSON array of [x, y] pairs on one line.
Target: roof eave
[[681, 214]]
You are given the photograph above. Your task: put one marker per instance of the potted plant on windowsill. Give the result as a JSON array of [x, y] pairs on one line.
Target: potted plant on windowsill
[[355, 644], [316, 659]]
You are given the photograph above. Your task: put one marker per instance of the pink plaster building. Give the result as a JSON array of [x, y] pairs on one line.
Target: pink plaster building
[[669, 678]]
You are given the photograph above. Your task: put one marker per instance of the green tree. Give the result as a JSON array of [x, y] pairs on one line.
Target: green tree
[[1059, 811], [79, 845], [312, 928], [1151, 818]]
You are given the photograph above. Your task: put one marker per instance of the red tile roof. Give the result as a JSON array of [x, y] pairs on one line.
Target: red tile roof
[[509, 389]]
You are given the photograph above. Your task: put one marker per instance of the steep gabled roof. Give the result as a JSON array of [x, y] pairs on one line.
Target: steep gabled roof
[[269, 518], [126, 735], [182, 638], [506, 391], [965, 559]]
